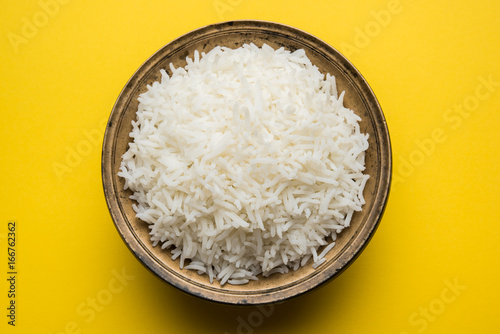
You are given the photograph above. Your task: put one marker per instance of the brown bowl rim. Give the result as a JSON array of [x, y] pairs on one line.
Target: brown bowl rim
[[353, 249]]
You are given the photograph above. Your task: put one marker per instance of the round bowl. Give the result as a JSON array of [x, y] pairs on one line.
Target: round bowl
[[359, 97]]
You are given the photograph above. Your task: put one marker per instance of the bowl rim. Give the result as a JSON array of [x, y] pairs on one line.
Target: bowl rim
[[313, 282]]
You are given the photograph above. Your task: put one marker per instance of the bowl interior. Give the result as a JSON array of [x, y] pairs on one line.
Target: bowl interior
[[358, 97]]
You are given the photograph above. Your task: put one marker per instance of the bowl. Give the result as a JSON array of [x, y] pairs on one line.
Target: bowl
[[278, 287]]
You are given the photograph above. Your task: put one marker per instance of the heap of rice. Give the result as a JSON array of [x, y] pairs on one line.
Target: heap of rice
[[245, 162]]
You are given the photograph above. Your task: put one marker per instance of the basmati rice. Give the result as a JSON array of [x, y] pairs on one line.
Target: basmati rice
[[245, 162]]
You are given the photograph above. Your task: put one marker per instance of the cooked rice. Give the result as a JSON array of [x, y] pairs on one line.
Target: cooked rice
[[245, 162]]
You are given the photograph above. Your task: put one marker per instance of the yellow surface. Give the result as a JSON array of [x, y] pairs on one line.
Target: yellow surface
[[433, 265]]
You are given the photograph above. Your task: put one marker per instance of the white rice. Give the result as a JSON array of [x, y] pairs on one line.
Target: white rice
[[245, 162]]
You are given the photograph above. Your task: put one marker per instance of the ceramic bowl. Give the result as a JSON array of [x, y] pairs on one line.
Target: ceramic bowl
[[358, 97]]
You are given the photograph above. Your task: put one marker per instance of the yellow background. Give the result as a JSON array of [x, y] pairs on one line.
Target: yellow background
[[422, 58]]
